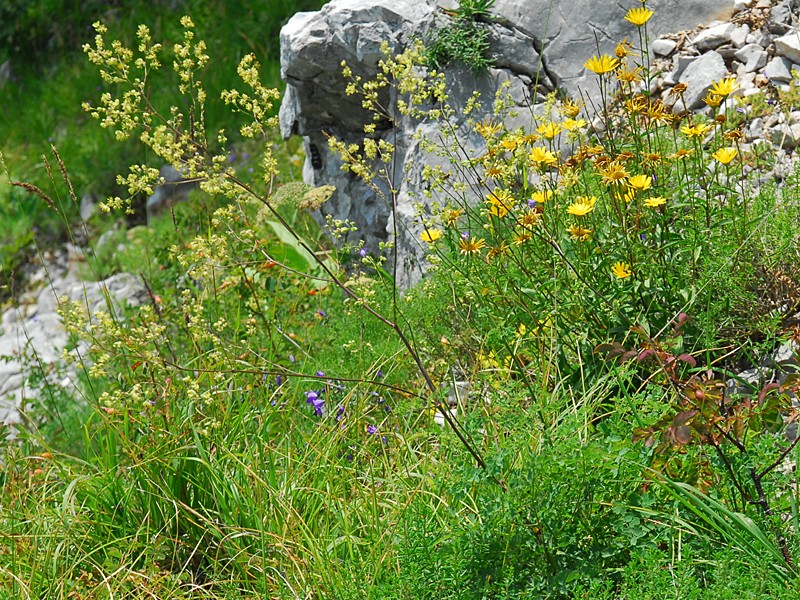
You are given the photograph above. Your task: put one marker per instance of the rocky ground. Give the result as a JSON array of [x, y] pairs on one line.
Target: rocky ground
[[32, 336]]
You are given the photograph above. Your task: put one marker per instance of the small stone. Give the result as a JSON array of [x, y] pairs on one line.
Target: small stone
[[758, 37], [788, 46], [714, 37], [794, 117], [781, 13], [739, 36], [784, 136], [700, 75], [777, 71], [755, 130], [679, 64], [752, 56], [664, 47]]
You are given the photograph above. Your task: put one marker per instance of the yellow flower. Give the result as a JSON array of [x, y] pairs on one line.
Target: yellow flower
[[639, 16], [497, 251], [541, 156], [630, 75], [582, 206], [623, 49], [640, 182], [696, 130], [682, 153], [451, 215], [488, 129], [655, 201], [580, 234], [614, 173], [529, 219], [602, 64], [549, 130], [431, 235], [574, 124], [512, 141], [725, 155], [470, 245], [724, 87], [541, 196], [621, 270], [500, 202], [570, 108], [713, 100]]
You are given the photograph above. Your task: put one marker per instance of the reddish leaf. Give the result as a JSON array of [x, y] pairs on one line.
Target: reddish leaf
[[645, 354], [682, 418], [766, 390], [688, 359], [682, 434], [630, 354]]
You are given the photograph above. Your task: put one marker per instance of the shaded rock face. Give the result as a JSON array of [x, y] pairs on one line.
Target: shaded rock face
[[538, 46]]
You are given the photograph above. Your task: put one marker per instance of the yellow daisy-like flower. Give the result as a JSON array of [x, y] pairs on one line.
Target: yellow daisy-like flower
[[542, 156], [549, 130], [621, 270], [713, 100], [682, 153], [724, 87], [726, 155], [497, 251], [470, 245], [431, 235], [614, 172], [630, 75], [488, 129], [570, 108], [500, 202], [494, 171], [639, 16], [640, 182], [696, 130], [451, 216], [574, 124], [541, 196], [623, 49], [655, 201], [529, 219], [510, 142], [582, 206], [602, 64], [579, 234]]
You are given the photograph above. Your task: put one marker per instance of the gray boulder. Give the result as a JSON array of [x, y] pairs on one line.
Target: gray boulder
[[538, 45]]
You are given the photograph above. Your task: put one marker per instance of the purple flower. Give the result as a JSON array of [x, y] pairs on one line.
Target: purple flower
[[531, 203], [320, 374], [279, 380], [465, 235], [246, 155], [339, 412], [314, 400], [372, 430], [291, 358], [379, 374], [322, 313], [231, 157], [362, 253]]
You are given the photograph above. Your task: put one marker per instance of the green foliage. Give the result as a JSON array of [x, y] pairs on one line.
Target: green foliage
[[463, 38], [269, 424]]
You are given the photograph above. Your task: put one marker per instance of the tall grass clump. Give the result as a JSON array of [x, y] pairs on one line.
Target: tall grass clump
[[547, 415]]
